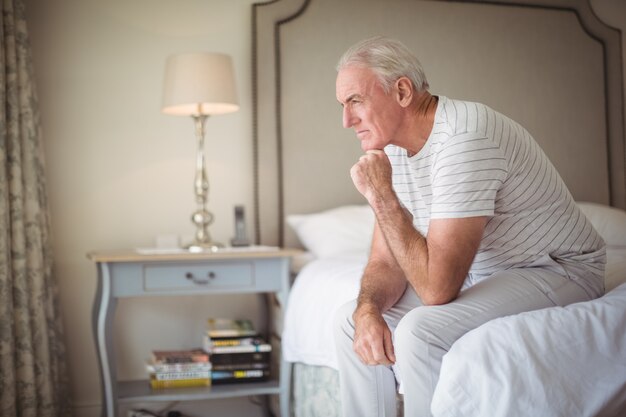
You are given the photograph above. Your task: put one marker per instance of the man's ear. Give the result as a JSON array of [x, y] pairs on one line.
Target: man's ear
[[404, 91]]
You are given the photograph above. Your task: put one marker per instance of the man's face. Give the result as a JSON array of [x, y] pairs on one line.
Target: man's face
[[367, 109]]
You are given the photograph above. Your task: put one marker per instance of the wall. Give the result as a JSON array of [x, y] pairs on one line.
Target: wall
[[120, 173]]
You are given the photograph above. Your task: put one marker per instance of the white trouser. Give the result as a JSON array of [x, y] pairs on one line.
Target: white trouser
[[423, 334]]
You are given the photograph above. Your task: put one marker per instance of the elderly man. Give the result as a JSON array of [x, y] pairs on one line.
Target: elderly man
[[472, 223]]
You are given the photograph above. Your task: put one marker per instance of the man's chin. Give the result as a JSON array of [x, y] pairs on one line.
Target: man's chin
[[370, 147]]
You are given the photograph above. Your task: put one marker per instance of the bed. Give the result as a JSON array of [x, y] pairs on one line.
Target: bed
[[551, 65], [573, 359]]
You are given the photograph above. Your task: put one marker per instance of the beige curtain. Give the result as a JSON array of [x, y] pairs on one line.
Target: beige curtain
[[33, 377]]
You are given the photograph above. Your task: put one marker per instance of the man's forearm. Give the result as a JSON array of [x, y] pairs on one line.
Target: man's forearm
[[435, 267], [407, 245], [382, 286]]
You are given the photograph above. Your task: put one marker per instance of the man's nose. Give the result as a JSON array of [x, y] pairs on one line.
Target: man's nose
[[347, 118]]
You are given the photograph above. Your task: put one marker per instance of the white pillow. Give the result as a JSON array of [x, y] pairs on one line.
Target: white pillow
[[338, 231], [610, 222]]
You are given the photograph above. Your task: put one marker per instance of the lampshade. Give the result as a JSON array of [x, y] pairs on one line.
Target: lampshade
[[199, 83]]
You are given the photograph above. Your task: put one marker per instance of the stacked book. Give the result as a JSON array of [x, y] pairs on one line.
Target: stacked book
[[179, 368], [237, 352]]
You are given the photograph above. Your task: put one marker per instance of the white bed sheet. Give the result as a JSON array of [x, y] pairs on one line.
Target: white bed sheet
[[551, 362], [321, 287], [567, 361]]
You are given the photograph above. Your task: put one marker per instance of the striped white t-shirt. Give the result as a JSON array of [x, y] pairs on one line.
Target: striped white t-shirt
[[478, 162]]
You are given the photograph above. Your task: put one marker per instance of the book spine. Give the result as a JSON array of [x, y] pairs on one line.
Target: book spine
[[239, 358], [241, 349], [181, 360], [235, 341], [178, 367], [230, 333], [240, 366], [180, 356], [169, 376], [224, 377], [229, 327], [180, 383], [224, 323], [231, 346]]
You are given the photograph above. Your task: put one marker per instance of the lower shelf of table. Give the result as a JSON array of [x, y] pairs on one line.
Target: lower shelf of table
[[140, 391]]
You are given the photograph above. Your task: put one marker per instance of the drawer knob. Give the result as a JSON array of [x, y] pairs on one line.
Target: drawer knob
[[200, 281]]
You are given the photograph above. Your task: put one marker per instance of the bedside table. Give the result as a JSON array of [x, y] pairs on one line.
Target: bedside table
[[133, 273]]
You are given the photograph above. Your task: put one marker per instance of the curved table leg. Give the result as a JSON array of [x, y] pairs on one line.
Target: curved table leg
[[102, 320]]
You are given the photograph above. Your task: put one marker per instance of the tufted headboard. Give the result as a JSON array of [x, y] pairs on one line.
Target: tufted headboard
[[549, 64]]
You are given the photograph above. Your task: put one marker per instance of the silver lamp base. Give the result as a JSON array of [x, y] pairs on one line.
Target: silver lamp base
[[197, 247], [201, 218], [202, 241]]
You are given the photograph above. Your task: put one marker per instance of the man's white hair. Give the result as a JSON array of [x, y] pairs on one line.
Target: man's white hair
[[390, 59]]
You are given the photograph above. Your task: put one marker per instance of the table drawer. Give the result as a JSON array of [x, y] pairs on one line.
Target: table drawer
[[186, 277]]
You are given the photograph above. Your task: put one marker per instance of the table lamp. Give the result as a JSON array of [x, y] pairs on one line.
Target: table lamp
[[200, 85]]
